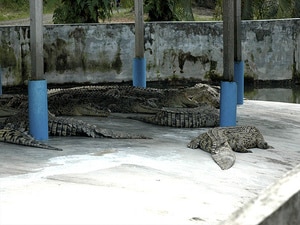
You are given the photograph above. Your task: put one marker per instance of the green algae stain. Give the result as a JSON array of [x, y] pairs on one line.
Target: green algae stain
[[7, 56], [105, 64], [117, 62], [10, 62]]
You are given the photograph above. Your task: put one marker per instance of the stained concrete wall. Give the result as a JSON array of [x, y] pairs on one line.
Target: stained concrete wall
[[104, 52]]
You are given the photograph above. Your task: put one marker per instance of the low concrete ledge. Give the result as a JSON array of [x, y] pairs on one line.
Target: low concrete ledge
[[279, 204]]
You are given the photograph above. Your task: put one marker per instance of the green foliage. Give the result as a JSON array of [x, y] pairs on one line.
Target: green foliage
[[296, 11], [127, 3], [160, 10], [169, 10], [16, 9], [82, 11], [285, 8], [265, 9], [17, 5]]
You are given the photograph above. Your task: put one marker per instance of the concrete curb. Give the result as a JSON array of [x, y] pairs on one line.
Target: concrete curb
[[278, 204]]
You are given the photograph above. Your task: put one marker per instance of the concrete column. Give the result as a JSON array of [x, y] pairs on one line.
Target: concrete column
[[228, 96], [36, 39], [238, 62], [37, 86]]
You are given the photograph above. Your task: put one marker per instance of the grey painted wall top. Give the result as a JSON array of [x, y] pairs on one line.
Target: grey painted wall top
[[104, 52]]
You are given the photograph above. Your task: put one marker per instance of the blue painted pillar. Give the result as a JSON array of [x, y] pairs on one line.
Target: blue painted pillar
[[239, 79], [139, 62], [38, 109], [228, 102], [139, 72]]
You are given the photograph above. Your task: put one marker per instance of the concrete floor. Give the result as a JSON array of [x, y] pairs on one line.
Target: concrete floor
[[155, 181]]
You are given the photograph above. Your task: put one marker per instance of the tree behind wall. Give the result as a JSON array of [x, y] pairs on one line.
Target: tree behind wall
[[169, 10], [82, 11], [265, 9], [296, 12]]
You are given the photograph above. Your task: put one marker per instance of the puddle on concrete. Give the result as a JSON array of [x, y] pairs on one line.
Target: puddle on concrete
[[289, 95], [104, 152]]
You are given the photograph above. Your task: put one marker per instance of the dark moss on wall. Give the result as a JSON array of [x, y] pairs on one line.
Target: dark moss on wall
[[117, 63], [7, 56], [262, 34]]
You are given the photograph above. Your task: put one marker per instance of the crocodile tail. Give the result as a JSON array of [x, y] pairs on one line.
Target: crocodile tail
[[61, 126], [225, 158], [14, 136], [183, 117], [118, 134]]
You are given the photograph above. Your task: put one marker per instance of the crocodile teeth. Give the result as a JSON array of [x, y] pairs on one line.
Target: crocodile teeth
[[225, 158]]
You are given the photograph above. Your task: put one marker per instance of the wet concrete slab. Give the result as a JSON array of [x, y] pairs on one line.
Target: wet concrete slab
[[150, 181]]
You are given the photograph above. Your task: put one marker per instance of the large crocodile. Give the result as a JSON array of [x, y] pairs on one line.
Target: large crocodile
[[221, 142], [128, 99], [185, 107], [101, 100]]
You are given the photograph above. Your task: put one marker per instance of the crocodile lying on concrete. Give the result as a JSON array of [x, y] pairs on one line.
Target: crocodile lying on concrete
[[128, 99], [221, 142], [186, 108], [101, 100]]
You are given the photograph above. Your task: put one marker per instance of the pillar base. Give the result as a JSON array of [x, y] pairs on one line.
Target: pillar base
[[139, 72], [228, 104], [239, 79]]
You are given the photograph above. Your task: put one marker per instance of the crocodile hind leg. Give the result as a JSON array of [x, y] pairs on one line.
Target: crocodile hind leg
[[14, 136], [237, 145]]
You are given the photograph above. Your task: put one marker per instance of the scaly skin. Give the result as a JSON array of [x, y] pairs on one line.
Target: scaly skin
[[221, 142], [128, 99], [18, 137], [14, 130], [100, 100], [203, 116]]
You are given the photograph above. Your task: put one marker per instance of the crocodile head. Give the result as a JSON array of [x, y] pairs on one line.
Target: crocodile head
[[203, 93]]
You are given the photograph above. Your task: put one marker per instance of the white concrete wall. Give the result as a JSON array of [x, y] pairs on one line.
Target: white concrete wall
[[104, 52]]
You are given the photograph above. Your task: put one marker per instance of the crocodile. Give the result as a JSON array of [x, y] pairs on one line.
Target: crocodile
[[122, 99], [128, 99], [102, 100], [222, 142], [183, 107]]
